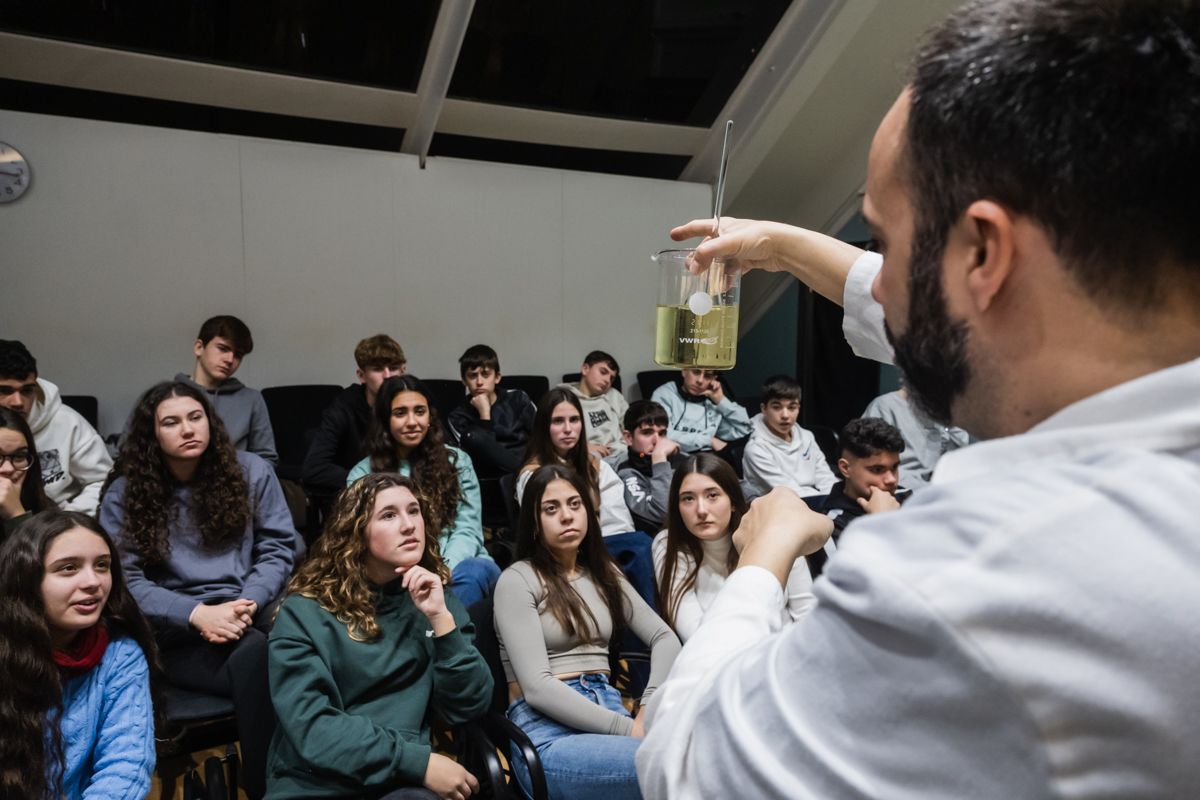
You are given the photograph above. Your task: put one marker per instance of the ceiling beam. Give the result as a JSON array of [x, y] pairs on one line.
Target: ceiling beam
[[776, 66], [444, 45]]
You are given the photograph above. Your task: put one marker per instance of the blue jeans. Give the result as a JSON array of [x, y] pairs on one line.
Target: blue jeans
[[579, 766], [472, 579]]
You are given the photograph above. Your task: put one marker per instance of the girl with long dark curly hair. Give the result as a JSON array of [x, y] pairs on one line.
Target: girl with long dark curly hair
[[76, 655], [21, 492], [207, 543], [405, 436], [366, 643], [561, 611], [695, 554]]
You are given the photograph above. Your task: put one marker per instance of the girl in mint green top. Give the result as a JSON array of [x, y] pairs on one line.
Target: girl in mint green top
[[366, 643], [406, 437]]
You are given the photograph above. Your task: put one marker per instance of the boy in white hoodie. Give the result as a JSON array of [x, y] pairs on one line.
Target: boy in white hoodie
[[74, 459], [780, 452]]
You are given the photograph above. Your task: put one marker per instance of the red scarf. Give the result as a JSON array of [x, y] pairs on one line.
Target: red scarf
[[88, 650]]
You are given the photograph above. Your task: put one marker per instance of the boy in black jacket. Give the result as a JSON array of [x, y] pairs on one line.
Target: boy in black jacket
[[492, 425]]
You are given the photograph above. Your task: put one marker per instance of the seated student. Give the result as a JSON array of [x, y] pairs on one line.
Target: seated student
[[220, 346], [559, 609], [341, 441], [699, 415], [74, 460], [21, 492], [869, 462], [405, 437], [492, 425], [207, 544], [695, 554], [925, 441], [780, 452], [559, 437], [646, 471], [603, 404], [81, 725], [365, 647]]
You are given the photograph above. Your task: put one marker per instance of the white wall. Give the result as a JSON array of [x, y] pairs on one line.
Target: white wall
[[131, 236]]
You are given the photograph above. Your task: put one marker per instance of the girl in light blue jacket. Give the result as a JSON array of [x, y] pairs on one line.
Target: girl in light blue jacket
[[75, 652]]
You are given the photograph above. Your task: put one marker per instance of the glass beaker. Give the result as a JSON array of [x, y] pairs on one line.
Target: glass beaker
[[697, 318]]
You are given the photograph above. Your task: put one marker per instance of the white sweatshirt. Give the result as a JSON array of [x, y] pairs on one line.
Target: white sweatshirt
[[799, 465], [74, 459], [711, 577]]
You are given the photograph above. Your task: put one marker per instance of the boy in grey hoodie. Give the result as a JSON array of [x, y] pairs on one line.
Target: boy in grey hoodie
[[220, 346], [780, 452], [603, 404], [700, 416]]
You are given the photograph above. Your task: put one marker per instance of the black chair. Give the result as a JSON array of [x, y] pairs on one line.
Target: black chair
[[827, 440], [87, 406], [499, 729], [445, 395], [196, 721], [533, 385], [650, 380], [575, 377], [295, 413], [508, 488]]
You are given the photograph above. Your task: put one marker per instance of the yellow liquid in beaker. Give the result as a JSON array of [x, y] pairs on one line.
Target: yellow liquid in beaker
[[682, 339]]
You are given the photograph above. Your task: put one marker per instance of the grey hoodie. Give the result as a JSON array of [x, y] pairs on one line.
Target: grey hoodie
[[244, 414]]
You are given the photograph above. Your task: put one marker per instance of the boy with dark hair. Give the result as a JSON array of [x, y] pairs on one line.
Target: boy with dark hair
[[926, 441], [492, 425], [74, 460], [647, 470], [221, 344], [340, 442], [869, 462], [780, 452], [700, 416], [603, 404]]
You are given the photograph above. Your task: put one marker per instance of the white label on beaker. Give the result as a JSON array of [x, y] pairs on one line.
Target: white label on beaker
[[700, 303]]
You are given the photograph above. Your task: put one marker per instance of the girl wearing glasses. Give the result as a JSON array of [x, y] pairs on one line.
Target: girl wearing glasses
[[21, 492]]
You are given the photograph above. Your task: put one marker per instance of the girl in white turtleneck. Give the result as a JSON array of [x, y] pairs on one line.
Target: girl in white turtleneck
[[695, 554]]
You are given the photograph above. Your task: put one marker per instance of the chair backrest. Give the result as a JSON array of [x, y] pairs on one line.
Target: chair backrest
[[447, 394], [488, 645], [827, 440], [533, 385], [650, 380], [87, 406], [508, 488], [575, 377], [295, 413]]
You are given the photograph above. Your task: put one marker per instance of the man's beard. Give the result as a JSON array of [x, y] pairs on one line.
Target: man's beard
[[932, 351]]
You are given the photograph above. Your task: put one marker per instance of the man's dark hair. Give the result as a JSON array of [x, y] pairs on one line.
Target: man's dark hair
[[478, 356], [599, 356], [866, 436], [1080, 114], [780, 387], [643, 412], [16, 362], [231, 328]]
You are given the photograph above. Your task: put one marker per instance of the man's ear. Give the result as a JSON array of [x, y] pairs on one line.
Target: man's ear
[[358, 373], [843, 467], [198, 348], [982, 246], [628, 437], [762, 407]]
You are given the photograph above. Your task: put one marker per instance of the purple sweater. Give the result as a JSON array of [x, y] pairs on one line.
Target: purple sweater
[[256, 568]]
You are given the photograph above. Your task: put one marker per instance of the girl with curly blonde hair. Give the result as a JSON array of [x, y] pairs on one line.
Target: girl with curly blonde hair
[[207, 544], [405, 436], [366, 642]]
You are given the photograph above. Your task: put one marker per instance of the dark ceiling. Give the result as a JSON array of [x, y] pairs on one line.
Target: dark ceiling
[[665, 61]]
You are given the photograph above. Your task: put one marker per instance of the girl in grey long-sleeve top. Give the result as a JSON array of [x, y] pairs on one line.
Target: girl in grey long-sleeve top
[[557, 609], [207, 544]]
